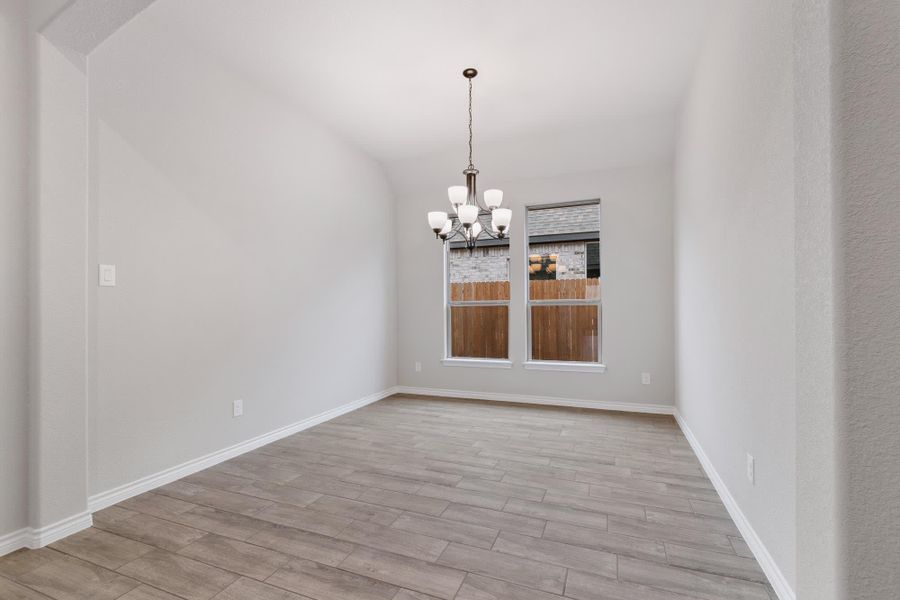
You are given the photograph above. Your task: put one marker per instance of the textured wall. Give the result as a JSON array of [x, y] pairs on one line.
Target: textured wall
[[867, 116], [13, 265], [735, 265], [221, 205], [820, 566]]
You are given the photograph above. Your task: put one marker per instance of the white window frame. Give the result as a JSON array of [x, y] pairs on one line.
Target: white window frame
[[551, 365], [463, 361]]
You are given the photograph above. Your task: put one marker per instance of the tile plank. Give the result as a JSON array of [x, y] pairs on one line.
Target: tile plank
[[69, 578], [235, 556], [179, 575], [492, 518], [477, 587], [445, 529], [322, 582], [695, 583], [428, 578], [577, 535], [557, 553], [514, 569]]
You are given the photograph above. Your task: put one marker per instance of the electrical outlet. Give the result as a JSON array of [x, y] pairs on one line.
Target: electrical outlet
[[418, 367], [237, 408], [106, 275], [645, 378], [751, 469]]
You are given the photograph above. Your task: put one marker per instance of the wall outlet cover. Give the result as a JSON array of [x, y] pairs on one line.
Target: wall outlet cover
[[418, 367], [751, 469], [237, 408], [106, 275], [645, 378]]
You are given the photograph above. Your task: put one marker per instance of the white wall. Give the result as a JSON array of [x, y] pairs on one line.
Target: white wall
[[734, 230], [867, 120], [821, 566], [636, 259], [13, 265], [251, 254]]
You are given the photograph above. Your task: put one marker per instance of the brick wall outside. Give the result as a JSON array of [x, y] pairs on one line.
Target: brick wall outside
[[571, 255], [492, 263], [484, 264]]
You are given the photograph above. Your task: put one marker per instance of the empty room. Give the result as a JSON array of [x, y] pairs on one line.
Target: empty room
[[449, 300]]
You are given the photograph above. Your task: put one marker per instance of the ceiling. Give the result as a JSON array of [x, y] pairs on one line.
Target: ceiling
[[387, 75]]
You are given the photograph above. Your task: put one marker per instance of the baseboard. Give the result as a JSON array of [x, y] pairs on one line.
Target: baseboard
[[145, 484], [656, 409], [57, 531], [763, 557], [14, 540], [29, 537]]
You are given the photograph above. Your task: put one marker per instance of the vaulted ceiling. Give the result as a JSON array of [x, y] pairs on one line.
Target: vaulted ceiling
[[387, 75]]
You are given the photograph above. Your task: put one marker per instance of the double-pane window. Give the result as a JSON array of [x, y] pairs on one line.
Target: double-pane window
[[478, 300], [563, 265]]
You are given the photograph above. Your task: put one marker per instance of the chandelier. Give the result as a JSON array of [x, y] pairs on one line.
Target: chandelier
[[474, 221]]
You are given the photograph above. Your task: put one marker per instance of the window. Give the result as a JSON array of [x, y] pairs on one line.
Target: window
[[478, 300], [564, 282]]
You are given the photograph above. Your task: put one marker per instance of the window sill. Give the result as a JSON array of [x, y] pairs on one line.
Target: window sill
[[547, 365], [480, 363]]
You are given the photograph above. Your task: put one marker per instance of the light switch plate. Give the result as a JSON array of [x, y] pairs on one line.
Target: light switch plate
[[107, 275]]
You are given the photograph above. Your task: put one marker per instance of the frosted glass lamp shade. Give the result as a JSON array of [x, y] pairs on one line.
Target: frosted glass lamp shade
[[447, 228], [493, 198], [468, 213], [501, 218], [436, 220], [476, 229], [457, 195]]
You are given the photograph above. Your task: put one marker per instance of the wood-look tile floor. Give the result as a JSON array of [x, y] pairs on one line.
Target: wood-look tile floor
[[415, 499]]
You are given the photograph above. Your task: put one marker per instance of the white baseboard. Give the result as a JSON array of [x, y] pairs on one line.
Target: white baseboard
[[35, 538], [14, 540], [29, 537], [60, 529], [145, 484], [657, 409], [763, 557]]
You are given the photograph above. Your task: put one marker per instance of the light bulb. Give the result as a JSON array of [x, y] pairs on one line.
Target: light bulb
[[457, 195], [468, 213], [493, 198], [436, 220], [501, 218]]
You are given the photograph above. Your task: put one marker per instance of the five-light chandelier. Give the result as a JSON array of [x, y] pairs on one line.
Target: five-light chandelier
[[474, 221]]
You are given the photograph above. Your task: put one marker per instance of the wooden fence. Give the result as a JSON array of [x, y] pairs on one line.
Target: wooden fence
[[479, 331], [558, 332], [566, 332], [480, 291], [564, 289]]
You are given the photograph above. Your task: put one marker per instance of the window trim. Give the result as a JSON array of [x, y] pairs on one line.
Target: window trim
[[562, 365], [448, 359], [481, 363], [552, 365]]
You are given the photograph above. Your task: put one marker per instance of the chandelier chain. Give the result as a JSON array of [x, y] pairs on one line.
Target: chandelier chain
[[471, 164]]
